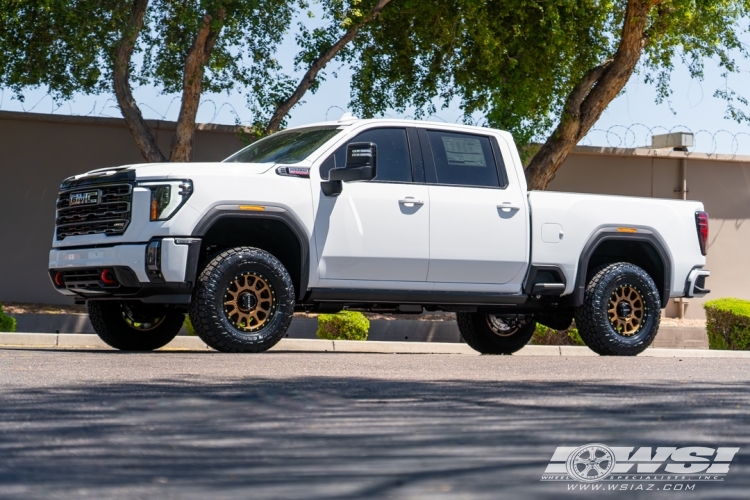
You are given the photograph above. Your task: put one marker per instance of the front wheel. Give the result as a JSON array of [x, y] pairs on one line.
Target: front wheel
[[243, 301], [621, 311], [491, 334], [133, 326]]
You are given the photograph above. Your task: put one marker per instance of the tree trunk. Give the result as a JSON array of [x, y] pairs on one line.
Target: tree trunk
[[324, 58], [591, 96], [121, 76], [192, 84]]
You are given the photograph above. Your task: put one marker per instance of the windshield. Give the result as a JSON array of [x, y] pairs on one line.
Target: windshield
[[291, 146]]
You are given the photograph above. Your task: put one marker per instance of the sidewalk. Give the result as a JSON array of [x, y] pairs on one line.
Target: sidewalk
[[194, 344]]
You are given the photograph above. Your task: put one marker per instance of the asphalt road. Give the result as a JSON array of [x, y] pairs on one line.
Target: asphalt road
[[102, 424]]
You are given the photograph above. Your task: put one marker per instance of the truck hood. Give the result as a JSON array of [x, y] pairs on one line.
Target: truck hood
[[148, 171]]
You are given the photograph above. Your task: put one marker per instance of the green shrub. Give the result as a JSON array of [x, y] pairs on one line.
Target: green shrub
[[346, 325], [189, 326], [728, 324], [547, 336], [7, 323], [575, 337]]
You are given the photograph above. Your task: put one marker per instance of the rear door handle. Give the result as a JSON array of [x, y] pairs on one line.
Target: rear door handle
[[508, 206], [410, 201]]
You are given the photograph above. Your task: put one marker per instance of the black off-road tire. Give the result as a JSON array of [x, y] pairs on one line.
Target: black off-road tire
[[110, 321], [476, 331], [207, 311], [593, 320]]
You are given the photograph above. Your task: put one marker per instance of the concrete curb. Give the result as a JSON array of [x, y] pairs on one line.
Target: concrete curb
[[381, 330], [80, 340], [393, 330]]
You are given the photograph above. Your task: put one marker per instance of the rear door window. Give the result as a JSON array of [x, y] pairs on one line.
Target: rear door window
[[393, 163], [463, 159]]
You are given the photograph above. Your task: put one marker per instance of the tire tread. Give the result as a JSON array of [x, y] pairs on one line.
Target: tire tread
[[207, 324], [479, 337], [589, 318], [109, 325]]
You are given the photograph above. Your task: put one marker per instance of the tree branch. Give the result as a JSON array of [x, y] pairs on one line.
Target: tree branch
[[121, 76], [195, 64], [324, 58], [591, 96]]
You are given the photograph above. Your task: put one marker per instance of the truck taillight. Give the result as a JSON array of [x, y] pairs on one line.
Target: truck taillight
[[701, 223]]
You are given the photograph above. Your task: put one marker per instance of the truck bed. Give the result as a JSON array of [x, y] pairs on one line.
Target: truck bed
[[563, 223]]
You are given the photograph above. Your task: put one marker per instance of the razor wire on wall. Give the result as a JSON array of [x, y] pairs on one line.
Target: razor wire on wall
[[109, 109], [637, 135]]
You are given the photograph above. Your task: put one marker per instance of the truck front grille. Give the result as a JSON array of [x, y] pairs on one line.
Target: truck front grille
[[97, 209]]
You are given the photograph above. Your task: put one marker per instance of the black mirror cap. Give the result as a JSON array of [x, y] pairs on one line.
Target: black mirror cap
[[361, 163]]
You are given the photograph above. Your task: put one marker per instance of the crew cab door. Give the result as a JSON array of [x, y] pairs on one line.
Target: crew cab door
[[478, 215], [375, 232]]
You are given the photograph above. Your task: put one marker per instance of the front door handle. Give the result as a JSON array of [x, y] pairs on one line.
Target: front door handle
[[508, 206], [410, 201]]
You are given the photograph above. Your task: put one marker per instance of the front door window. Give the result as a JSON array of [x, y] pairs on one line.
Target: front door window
[[394, 164]]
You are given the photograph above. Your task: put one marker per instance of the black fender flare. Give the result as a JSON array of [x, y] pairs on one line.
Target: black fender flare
[[645, 234], [275, 213]]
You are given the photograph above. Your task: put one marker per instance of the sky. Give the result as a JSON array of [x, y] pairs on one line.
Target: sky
[[629, 121]]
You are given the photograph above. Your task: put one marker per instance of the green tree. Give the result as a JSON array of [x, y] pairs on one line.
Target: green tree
[[322, 45], [187, 46], [543, 70]]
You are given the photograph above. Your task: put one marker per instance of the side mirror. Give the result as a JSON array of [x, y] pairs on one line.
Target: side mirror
[[361, 163]]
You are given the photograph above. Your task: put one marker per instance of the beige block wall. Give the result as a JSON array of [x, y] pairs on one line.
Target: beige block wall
[[36, 153], [721, 183]]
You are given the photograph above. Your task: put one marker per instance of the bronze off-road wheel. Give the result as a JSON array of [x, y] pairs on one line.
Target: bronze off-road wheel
[[243, 301], [621, 311]]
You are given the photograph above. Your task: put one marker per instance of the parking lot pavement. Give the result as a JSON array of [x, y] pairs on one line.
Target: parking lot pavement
[[103, 424]]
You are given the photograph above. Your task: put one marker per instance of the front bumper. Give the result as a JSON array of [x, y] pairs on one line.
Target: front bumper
[[167, 278]]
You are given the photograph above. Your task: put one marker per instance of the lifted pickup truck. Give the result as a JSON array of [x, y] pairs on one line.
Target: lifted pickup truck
[[386, 215]]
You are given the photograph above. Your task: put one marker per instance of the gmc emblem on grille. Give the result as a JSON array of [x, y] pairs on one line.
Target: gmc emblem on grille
[[88, 198]]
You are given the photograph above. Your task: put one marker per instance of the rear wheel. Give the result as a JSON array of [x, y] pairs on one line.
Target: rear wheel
[[621, 311], [491, 334], [243, 301], [133, 326]]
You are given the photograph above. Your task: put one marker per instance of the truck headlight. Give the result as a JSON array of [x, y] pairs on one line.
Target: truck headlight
[[167, 197]]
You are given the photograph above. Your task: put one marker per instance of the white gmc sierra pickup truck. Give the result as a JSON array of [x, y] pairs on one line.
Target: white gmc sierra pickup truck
[[386, 215]]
